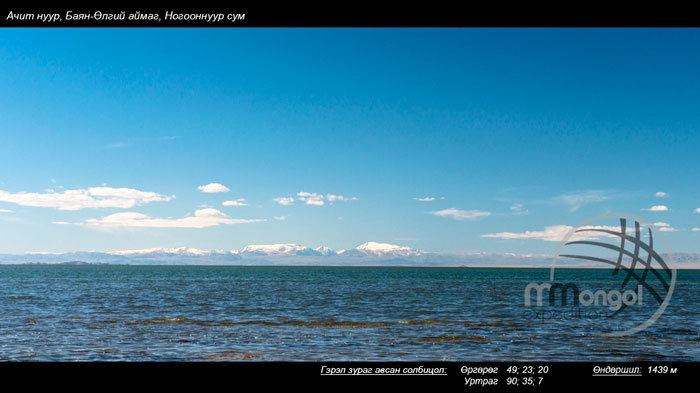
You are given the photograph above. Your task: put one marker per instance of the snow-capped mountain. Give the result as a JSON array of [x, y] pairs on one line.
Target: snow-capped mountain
[[382, 249], [366, 249], [324, 250], [277, 250]]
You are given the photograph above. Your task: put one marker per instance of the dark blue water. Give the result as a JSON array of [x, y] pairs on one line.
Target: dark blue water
[[145, 313]]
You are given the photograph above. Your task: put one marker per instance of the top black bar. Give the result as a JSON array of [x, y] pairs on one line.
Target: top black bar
[[338, 15]]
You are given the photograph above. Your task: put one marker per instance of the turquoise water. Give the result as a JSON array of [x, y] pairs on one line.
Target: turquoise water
[[144, 313]]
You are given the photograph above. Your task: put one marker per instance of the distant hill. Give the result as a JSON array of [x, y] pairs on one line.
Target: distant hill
[[366, 254]]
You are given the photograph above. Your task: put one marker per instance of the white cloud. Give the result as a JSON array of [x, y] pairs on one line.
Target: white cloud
[[311, 198], [662, 194], [201, 219], [657, 208], [280, 218], [697, 210], [518, 209], [284, 201], [458, 214], [118, 145], [236, 202], [579, 198], [426, 199], [333, 198], [5, 211], [696, 229], [665, 227], [95, 197], [213, 187], [555, 233], [551, 234], [314, 199]]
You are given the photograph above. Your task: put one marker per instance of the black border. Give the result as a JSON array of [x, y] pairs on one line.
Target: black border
[[332, 14], [307, 375], [303, 376]]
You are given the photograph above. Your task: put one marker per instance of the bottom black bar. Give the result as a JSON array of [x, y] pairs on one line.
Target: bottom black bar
[[445, 376]]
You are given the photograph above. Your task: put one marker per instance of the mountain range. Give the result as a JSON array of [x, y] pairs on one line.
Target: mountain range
[[366, 254]]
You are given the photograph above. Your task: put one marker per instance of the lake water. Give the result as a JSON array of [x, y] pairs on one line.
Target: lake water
[[185, 313]]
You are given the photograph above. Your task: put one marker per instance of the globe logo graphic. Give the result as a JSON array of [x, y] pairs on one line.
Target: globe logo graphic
[[641, 279]]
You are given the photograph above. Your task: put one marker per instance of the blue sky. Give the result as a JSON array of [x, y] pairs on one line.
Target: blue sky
[[106, 135]]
